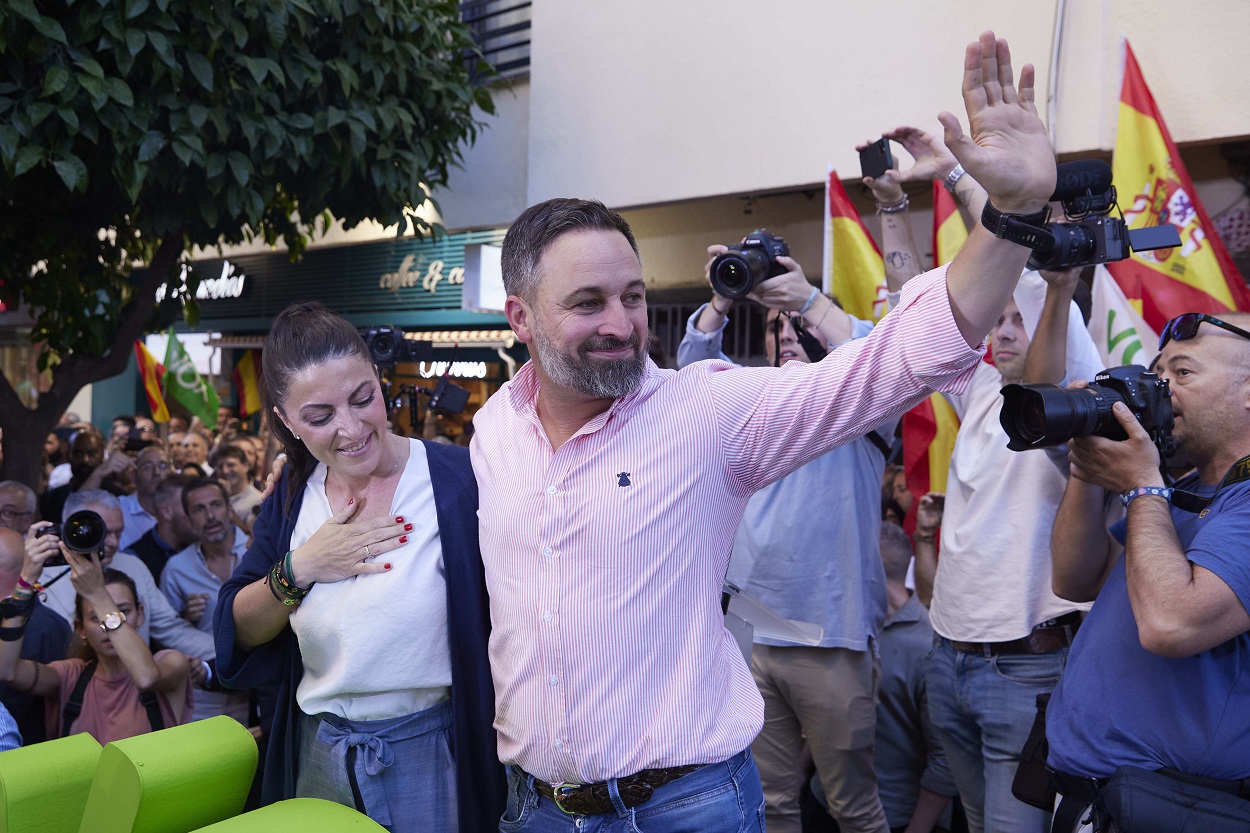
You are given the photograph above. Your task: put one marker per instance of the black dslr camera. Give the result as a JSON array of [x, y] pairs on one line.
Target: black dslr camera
[[1090, 236], [84, 531], [740, 270], [388, 346], [1045, 415]]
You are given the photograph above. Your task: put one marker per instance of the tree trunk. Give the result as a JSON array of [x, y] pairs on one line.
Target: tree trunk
[[25, 429]]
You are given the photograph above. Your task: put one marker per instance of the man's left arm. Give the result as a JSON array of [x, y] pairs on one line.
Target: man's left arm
[[1181, 608]]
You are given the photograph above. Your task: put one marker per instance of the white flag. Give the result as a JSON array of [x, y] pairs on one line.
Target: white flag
[[1118, 330]]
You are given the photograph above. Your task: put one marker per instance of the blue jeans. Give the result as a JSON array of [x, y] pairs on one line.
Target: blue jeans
[[983, 708], [718, 798]]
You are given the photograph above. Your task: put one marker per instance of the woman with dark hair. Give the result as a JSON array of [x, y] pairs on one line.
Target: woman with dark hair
[[116, 689], [362, 599]]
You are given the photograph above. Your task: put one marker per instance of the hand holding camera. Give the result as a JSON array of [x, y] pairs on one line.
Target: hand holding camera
[[82, 532], [1117, 465]]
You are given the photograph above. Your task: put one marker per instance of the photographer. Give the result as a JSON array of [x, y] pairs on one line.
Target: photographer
[[1172, 585], [822, 566]]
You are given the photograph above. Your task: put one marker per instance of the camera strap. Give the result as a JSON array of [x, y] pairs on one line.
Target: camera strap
[[1197, 504]]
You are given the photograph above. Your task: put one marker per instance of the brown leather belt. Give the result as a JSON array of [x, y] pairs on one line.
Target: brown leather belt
[[1046, 638], [593, 799]]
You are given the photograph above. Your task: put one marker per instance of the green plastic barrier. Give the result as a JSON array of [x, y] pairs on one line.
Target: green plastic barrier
[[43, 788], [299, 815], [172, 781]]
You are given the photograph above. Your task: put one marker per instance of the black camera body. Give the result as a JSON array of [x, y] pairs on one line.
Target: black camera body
[[137, 440], [1035, 416], [1090, 235], [84, 531], [738, 271], [388, 346]]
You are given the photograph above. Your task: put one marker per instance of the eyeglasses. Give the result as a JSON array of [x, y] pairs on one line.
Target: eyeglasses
[[1184, 327], [151, 466]]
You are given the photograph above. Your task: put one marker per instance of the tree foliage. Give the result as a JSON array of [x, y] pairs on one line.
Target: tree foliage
[[132, 130]]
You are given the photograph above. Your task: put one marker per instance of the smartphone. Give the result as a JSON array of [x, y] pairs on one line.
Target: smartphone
[[876, 159]]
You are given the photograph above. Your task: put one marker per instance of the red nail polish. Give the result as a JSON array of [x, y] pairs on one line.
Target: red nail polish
[[399, 519], [387, 565], [407, 527], [403, 539], [351, 501]]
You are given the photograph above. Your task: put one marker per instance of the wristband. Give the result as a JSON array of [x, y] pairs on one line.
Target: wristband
[[811, 299], [718, 310], [13, 634], [1158, 491], [893, 207], [1027, 230], [956, 174], [282, 583], [925, 537]]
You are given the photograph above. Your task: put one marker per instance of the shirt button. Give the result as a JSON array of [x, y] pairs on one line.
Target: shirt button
[[551, 490], [558, 744], [547, 617], [553, 679], [546, 550]]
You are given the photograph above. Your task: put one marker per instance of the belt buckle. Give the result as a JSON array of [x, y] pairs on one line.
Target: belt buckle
[[559, 791]]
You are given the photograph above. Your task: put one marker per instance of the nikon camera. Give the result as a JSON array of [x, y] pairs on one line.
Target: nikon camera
[[1035, 416], [84, 531], [739, 270]]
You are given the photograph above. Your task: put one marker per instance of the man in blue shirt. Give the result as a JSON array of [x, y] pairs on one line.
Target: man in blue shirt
[[1157, 676], [808, 548]]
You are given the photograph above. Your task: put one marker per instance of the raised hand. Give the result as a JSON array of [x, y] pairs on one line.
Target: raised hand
[[886, 189], [340, 548], [933, 160], [1006, 149]]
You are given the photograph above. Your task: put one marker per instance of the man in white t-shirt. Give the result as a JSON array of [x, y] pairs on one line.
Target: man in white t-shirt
[[1003, 635]]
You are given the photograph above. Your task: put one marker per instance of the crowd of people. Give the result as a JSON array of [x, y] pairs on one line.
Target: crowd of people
[[528, 635]]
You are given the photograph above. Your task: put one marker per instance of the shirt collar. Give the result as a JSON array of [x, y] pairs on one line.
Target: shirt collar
[[911, 611]]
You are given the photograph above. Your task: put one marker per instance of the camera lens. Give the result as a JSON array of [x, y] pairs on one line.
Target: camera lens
[[1035, 416], [84, 531], [1074, 246], [735, 273], [383, 345]]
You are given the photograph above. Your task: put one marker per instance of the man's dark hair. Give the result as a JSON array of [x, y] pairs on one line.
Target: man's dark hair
[[170, 489], [532, 232], [125, 419], [203, 483], [896, 551], [228, 451]]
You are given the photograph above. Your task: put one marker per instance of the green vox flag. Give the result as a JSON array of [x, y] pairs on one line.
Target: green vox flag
[[184, 384]]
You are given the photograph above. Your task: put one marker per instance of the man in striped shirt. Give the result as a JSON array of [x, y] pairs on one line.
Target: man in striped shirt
[[610, 490]]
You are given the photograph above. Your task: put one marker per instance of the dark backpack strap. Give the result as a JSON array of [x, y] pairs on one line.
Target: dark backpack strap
[[153, 707], [879, 441], [73, 707]]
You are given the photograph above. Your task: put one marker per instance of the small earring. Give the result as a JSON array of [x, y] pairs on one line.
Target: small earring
[[297, 436]]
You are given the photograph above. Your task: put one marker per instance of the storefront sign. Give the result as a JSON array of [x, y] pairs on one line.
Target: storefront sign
[[228, 285], [410, 275], [459, 370]]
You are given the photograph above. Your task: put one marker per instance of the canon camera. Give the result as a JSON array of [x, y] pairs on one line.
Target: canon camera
[[84, 532], [739, 270], [1035, 416]]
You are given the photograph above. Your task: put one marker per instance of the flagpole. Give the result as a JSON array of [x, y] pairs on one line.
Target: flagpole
[[1056, 50], [826, 278]]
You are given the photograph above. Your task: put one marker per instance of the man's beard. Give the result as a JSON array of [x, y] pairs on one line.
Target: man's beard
[[600, 378]]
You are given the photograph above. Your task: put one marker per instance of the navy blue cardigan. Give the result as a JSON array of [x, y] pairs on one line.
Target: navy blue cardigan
[[277, 664]]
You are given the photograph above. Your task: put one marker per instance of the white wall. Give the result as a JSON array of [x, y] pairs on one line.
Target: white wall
[[650, 101]]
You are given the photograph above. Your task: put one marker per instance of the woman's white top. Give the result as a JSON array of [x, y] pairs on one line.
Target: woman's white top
[[375, 646]]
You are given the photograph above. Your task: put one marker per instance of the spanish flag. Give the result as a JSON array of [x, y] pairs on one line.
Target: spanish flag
[[151, 371], [246, 383], [1154, 188], [929, 428], [852, 257]]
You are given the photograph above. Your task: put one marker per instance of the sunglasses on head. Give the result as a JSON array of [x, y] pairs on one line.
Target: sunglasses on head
[[1185, 327]]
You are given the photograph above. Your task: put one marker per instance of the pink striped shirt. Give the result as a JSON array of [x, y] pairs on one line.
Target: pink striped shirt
[[605, 558]]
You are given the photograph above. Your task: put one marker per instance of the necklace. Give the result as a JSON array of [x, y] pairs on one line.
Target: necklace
[[372, 479]]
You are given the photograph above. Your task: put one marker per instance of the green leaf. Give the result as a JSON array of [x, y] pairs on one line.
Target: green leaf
[[135, 8], [37, 112], [182, 151], [70, 117], [91, 67], [72, 172], [55, 80], [335, 117], [8, 142], [257, 68], [161, 44], [216, 165], [201, 69], [197, 114], [241, 166], [135, 40], [51, 30], [26, 9], [120, 92], [94, 86], [27, 158], [358, 138], [151, 146], [300, 121]]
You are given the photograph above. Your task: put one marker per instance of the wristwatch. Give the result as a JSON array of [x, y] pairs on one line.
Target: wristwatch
[[11, 608], [113, 621], [1023, 229]]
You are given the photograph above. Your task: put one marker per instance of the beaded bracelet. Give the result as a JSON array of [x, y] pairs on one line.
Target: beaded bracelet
[[282, 584], [893, 207]]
